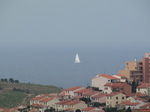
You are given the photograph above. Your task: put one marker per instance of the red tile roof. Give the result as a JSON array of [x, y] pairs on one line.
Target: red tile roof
[[88, 108], [99, 95], [47, 99], [83, 91], [73, 88], [37, 98], [113, 93], [108, 76], [116, 85], [144, 85], [120, 75], [38, 105], [68, 102], [129, 103], [89, 93], [137, 94], [146, 105]]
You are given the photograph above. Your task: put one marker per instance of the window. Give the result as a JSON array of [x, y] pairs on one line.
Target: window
[[127, 63], [140, 63], [135, 67], [122, 97], [116, 98], [116, 102]]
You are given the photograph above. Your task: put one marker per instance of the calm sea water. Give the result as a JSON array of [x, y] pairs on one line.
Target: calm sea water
[[55, 66]]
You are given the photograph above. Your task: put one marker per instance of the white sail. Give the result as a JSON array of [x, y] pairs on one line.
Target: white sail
[[77, 60]]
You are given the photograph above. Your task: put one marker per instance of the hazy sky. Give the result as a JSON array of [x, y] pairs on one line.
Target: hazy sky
[[100, 23]]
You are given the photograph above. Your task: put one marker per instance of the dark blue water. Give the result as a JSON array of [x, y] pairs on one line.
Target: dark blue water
[[55, 66]]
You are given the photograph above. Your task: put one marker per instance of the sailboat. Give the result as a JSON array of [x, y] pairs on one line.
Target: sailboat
[[77, 60]]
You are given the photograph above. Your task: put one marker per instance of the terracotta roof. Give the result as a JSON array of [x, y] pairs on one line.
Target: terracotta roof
[[108, 76], [37, 98], [72, 102], [99, 95], [147, 105], [116, 85], [113, 94], [136, 94], [73, 88], [68, 102], [129, 103], [63, 102], [88, 108], [47, 99], [83, 91], [89, 93], [120, 75], [38, 105], [144, 85]]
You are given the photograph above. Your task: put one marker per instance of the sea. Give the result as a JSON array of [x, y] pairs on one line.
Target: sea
[[55, 65]]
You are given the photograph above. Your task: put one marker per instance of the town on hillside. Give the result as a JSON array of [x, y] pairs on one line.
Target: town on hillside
[[127, 91]]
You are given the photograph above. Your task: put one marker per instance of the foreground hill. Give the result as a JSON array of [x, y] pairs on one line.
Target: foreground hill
[[14, 94]]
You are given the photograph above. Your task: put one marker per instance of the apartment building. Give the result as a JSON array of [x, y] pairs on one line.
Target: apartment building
[[137, 70], [115, 98], [147, 55], [101, 79]]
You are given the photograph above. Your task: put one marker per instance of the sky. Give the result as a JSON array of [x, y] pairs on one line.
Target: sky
[[69, 23]]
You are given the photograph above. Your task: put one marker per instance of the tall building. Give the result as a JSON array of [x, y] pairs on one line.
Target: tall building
[[137, 70], [147, 55]]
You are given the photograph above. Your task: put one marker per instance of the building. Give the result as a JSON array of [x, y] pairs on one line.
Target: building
[[115, 98], [92, 109], [137, 70], [101, 98], [101, 79], [147, 55], [70, 105], [118, 87], [143, 88]]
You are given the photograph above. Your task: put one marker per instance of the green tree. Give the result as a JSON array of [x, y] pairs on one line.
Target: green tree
[[78, 110], [86, 100], [11, 80], [128, 110], [16, 81]]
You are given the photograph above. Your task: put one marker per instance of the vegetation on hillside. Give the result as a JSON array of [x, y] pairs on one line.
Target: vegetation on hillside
[[13, 94]]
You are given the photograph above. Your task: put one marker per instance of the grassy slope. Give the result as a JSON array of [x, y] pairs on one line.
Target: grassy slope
[[9, 98]]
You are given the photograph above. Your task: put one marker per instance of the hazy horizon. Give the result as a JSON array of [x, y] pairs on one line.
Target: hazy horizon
[[106, 34]]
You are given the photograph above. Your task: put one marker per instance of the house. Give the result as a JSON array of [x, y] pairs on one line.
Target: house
[[101, 79], [127, 103], [70, 91], [117, 87], [70, 105], [89, 94], [50, 101], [146, 106], [101, 98], [38, 107], [36, 100], [115, 98], [143, 88], [92, 109], [121, 77], [82, 92]]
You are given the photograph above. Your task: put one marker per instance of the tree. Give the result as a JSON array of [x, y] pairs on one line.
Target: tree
[[11, 80], [134, 86], [86, 100], [128, 110], [97, 104], [78, 110], [16, 81]]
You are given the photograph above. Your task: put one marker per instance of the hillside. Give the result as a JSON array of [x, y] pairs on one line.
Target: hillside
[[14, 94]]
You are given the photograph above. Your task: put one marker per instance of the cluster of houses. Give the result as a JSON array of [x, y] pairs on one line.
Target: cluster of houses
[[113, 91]]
